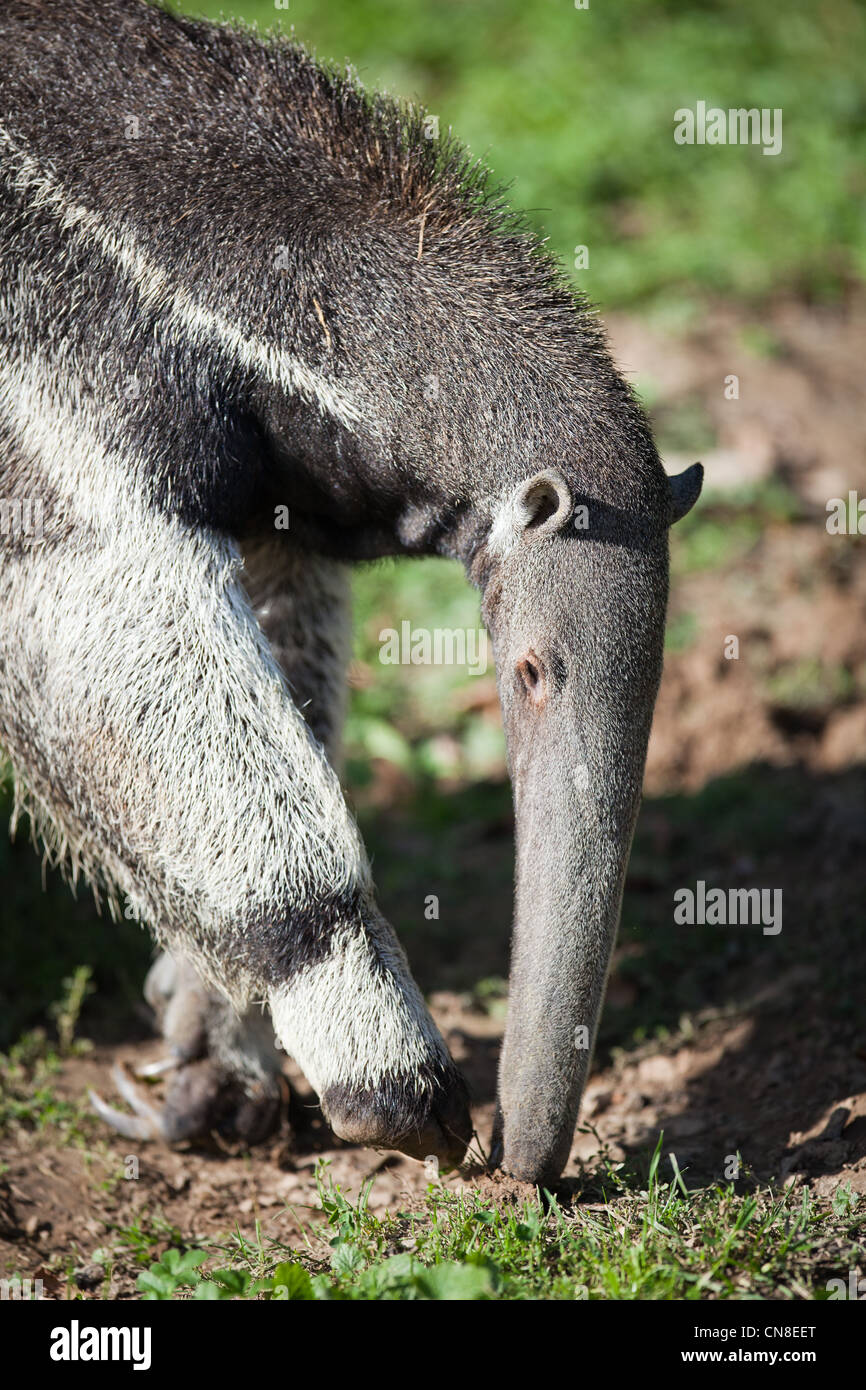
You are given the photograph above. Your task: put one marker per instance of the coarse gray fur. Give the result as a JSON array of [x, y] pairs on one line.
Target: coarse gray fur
[[232, 282]]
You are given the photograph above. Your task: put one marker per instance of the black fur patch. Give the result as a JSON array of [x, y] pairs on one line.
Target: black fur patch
[[422, 1113], [272, 948]]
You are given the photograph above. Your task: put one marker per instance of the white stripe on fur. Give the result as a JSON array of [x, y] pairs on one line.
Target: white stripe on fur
[[510, 515], [184, 312]]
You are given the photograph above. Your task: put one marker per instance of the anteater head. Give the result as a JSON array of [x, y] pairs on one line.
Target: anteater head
[[576, 571]]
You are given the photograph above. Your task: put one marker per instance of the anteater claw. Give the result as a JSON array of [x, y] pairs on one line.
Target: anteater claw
[[200, 1098], [157, 1068], [145, 1123]]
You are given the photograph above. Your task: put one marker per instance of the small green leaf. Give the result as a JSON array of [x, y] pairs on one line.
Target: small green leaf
[[396, 1276], [457, 1282], [347, 1259], [326, 1291], [207, 1292], [155, 1284], [292, 1283], [184, 1266], [234, 1281]]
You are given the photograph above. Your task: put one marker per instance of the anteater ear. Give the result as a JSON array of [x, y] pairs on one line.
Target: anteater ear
[[685, 490], [543, 503], [537, 507]]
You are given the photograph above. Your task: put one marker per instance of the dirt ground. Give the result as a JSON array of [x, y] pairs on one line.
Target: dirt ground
[[730, 1041]]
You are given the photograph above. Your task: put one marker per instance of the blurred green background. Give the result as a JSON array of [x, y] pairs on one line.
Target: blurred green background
[[575, 109]]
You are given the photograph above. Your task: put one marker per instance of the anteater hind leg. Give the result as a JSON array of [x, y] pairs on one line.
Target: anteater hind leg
[[223, 1068]]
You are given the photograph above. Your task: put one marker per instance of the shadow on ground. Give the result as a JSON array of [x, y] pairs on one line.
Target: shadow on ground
[[731, 1040]]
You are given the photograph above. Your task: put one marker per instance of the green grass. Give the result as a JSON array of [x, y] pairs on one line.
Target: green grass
[[577, 109], [810, 683], [27, 1095], [29, 1069], [648, 1236]]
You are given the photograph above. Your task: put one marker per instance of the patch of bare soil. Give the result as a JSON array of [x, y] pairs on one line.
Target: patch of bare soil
[[766, 1081], [742, 1091], [797, 412], [794, 694]]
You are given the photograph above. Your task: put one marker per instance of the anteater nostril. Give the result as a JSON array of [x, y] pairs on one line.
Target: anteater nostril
[[531, 674]]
